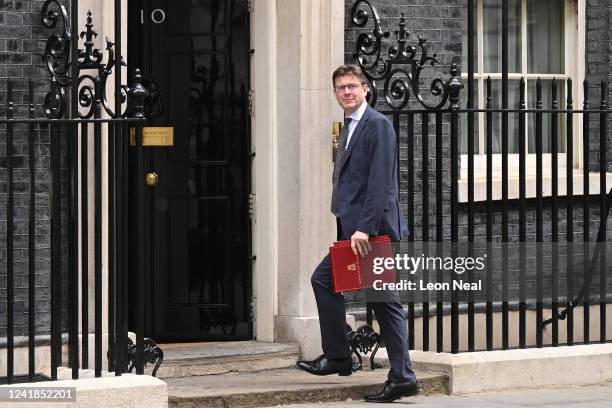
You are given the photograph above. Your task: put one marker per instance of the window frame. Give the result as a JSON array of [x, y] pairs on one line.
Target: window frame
[[575, 36]]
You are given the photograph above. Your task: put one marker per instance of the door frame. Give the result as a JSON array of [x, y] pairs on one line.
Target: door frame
[[138, 56], [264, 137]]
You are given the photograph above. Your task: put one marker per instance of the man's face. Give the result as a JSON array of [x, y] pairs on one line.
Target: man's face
[[350, 93]]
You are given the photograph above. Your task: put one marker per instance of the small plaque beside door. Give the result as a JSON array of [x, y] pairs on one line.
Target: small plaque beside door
[[154, 136]]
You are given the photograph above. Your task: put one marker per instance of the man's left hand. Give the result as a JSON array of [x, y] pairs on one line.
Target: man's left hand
[[360, 243]]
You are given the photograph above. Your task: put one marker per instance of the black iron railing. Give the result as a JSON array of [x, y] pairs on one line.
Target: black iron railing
[[60, 135], [77, 112], [456, 207]]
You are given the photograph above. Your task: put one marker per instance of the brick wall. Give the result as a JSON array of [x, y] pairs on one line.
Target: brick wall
[[598, 66], [22, 43]]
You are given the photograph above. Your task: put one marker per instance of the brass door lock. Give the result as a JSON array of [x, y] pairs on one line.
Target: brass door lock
[[336, 128], [151, 179]]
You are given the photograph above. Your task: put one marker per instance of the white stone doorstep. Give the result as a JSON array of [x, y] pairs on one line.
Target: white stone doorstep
[[128, 390], [521, 368]]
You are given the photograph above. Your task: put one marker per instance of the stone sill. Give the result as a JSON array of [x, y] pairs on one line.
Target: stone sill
[[518, 368], [480, 186], [24, 341]]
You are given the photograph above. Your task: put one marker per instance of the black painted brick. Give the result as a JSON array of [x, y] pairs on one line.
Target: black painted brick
[[22, 42]]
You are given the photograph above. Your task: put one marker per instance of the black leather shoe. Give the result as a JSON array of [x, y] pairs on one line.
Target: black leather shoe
[[392, 391], [322, 366]]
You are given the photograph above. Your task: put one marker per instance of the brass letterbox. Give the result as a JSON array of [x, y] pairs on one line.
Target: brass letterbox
[[154, 136]]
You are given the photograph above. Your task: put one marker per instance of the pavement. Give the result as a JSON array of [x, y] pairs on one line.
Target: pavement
[[595, 396]]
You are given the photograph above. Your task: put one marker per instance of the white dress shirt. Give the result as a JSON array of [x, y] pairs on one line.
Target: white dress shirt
[[355, 118]]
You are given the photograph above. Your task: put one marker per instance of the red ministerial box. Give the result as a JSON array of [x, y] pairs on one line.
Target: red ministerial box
[[372, 266], [350, 272], [345, 267]]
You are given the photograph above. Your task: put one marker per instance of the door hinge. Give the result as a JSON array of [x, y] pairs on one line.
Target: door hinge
[[250, 6], [252, 199], [251, 102]]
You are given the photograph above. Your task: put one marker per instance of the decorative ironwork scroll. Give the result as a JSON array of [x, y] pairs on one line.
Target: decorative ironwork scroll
[[56, 57], [153, 354], [400, 69], [364, 340], [93, 82]]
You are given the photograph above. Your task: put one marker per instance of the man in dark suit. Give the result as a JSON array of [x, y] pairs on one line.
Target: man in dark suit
[[365, 201]]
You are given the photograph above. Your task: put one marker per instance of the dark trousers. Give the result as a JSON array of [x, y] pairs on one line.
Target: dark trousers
[[332, 321]]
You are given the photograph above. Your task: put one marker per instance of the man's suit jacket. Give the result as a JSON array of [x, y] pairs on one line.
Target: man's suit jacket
[[367, 181]]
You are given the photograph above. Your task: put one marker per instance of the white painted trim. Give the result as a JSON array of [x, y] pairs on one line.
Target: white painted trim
[[480, 186], [481, 102], [524, 42], [264, 175], [480, 162]]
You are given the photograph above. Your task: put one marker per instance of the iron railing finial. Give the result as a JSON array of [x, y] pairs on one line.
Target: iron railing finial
[[138, 94]]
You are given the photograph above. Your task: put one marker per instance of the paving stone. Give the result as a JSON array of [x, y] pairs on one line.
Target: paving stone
[[595, 396]]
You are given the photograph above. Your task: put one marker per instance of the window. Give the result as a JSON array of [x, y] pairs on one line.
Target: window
[[541, 39], [543, 42]]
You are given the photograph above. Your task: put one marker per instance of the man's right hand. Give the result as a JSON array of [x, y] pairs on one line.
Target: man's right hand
[[360, 244]]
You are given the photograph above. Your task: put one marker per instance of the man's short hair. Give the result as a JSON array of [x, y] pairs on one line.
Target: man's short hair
[[346, 70]]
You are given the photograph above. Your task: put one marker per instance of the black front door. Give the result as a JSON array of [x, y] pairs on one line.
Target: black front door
[[197, 51]]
